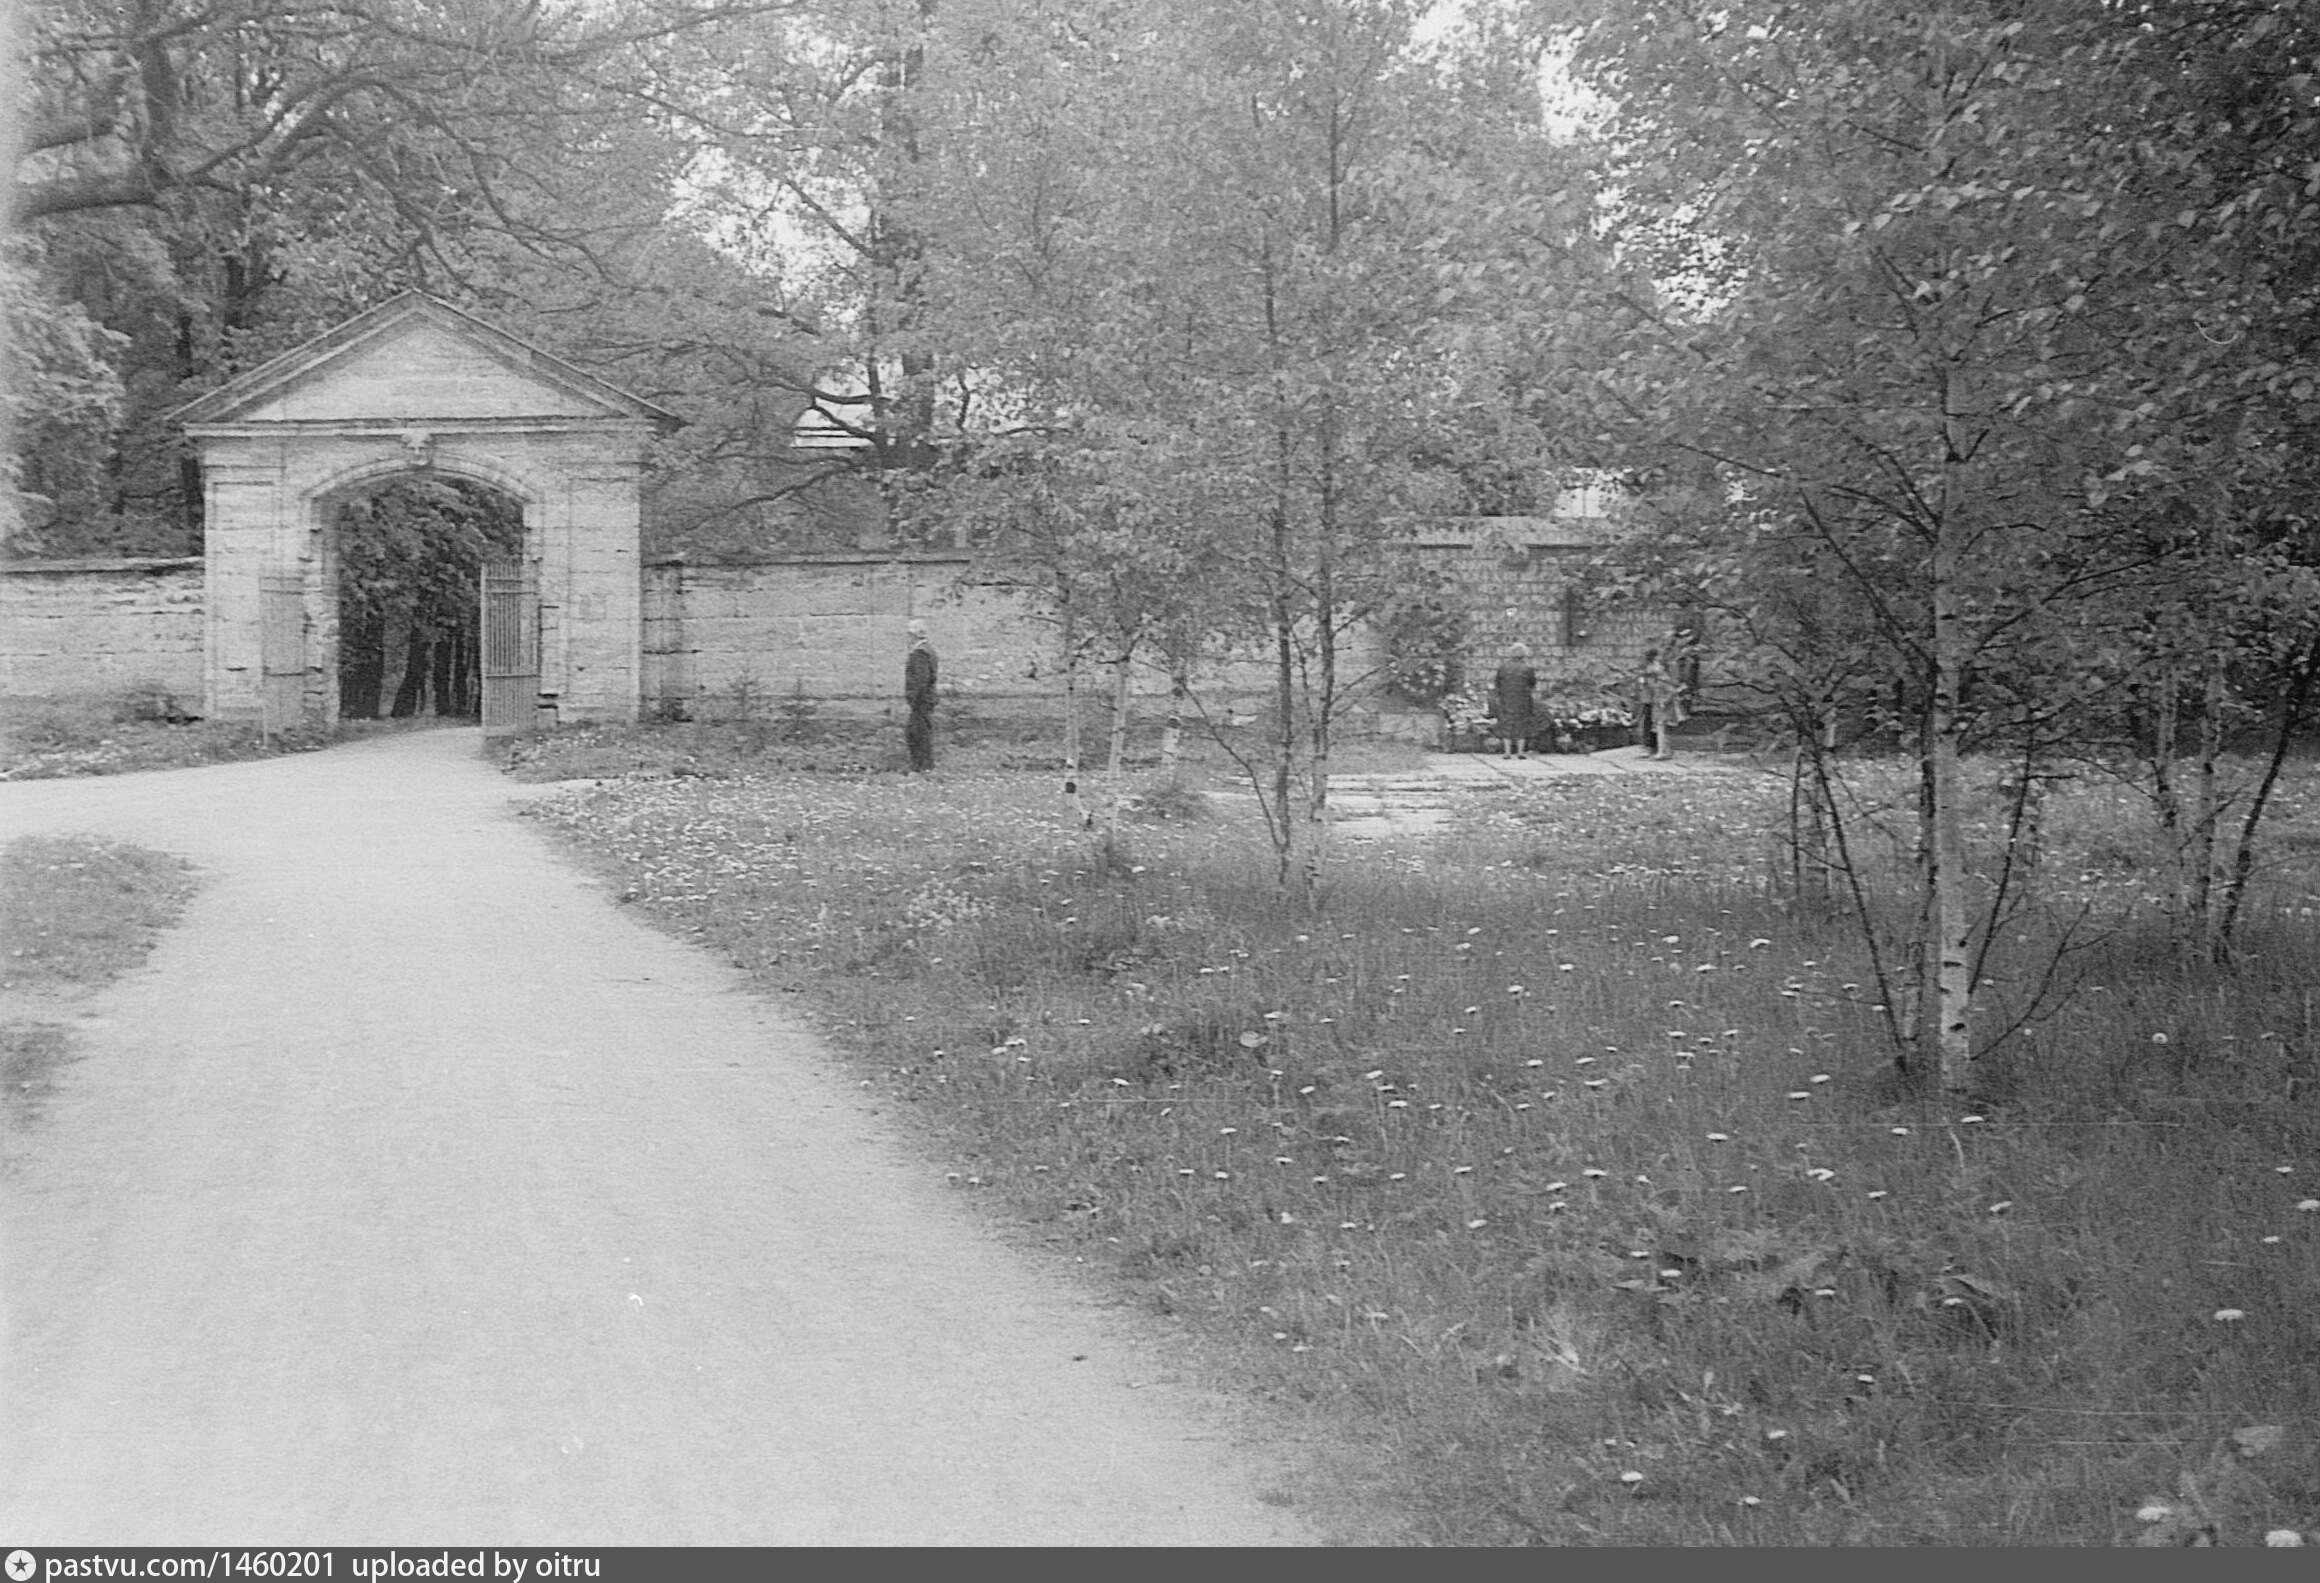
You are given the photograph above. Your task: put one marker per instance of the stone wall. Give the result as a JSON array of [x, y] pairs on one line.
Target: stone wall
[[833, 628], [717, 638], [723, 639], [72, 628]]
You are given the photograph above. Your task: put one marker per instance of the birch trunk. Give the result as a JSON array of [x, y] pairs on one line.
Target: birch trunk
[[2242, 865], [1923, 955], [1948, 939], [1284, 820], [2202, 848], [1951, 937], [1812, 874], [1324, 695], [1123, 685], [1071, 723], [2165, 726], [1172, 735]]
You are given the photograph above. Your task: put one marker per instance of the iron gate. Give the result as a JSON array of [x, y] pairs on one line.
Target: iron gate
[[511, 649]]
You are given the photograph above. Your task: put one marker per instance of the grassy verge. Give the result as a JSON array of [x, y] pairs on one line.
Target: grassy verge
[[75, 913], [1564, 1163], [968, 743], [52, 739]]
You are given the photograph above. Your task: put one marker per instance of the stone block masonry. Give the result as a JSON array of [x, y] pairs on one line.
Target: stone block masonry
[[719, 640], [723, 639], [416, 387], [88, 628]]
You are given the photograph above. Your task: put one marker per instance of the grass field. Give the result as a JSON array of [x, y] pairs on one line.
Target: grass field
[[1560, 1159]]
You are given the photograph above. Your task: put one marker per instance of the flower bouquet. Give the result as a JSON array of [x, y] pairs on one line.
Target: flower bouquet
[[1586, 722], [1466, 721]]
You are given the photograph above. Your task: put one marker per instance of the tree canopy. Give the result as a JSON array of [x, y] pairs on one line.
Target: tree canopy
[[211, 183]]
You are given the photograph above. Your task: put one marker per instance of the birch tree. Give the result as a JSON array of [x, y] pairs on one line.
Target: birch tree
[[1915, 344]]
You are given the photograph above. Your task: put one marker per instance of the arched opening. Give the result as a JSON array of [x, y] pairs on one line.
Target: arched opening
[[409, 553]]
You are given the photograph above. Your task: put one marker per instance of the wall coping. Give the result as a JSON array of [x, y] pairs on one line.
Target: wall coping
[[1455, 533], [821, 558], [102, 563], [1441, 533], [1527, 532]]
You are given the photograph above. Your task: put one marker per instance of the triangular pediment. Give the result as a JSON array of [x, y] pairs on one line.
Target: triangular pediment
[[415, 360]]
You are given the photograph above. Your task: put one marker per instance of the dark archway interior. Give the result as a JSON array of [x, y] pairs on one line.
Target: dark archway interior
[[410, 553]]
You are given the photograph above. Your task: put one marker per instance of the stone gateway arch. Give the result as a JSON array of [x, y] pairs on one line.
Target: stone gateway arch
[[416, 386]]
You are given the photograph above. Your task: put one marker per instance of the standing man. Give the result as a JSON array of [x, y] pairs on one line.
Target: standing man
[[1663, 705], [918, 693], [1511, 695]]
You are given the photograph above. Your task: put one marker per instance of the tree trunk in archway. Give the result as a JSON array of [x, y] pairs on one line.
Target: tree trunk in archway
[[454, 667], [362, 661], [417, 657], [468, 673]]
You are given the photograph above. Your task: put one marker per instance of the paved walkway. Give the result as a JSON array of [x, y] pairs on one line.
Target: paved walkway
[[1417, 802], [415, 1194]]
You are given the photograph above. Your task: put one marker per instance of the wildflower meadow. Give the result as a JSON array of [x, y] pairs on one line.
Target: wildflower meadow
[[1560, 1158]]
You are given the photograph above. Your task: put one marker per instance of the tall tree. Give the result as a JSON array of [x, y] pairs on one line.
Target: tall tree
[[1221, 282], [216, 182], [135, 100], [816, 138]]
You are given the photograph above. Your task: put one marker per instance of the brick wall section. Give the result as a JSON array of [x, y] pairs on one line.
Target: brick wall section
[[89, 627], [1523, 580]]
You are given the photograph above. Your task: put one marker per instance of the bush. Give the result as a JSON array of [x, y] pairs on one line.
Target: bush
[[154, 702], [1425, 637]]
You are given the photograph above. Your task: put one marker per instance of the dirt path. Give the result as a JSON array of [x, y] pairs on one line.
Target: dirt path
[[413, 1194]]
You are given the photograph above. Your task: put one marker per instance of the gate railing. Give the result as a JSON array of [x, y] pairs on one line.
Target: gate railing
[[511, 649]]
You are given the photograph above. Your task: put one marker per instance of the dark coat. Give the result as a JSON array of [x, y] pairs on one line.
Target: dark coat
[[918, 679], [1512, 703]]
